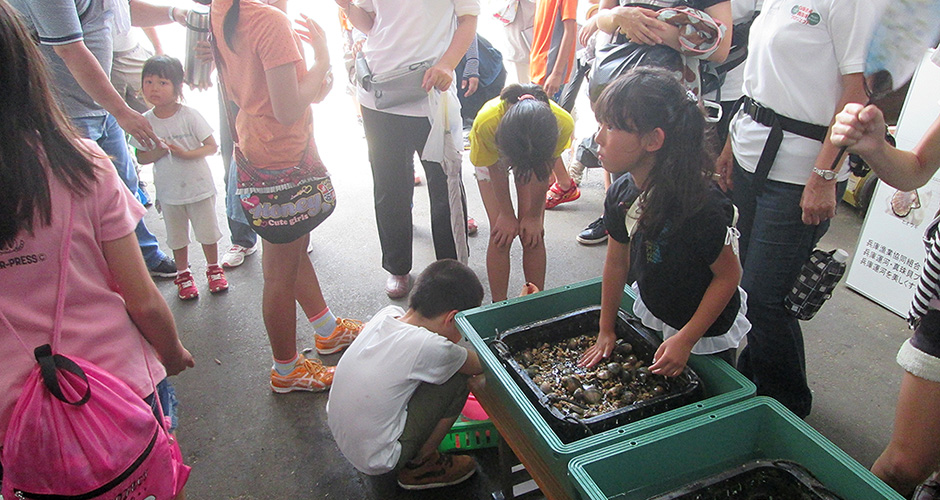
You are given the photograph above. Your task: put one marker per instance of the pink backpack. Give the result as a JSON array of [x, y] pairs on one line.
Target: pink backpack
[[78, 432]]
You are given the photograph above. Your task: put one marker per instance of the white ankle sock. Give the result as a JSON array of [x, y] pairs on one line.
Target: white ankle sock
[[284, 368], [324, 323]]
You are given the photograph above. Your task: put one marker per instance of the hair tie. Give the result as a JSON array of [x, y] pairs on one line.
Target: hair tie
[[691, 96], [525, 96]]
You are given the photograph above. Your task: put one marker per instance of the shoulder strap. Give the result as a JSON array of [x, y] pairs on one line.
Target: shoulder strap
[[60, 293], [220, 66]]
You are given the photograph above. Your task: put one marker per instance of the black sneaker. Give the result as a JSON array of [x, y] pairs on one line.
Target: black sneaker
[[166, 268], [593, 234]]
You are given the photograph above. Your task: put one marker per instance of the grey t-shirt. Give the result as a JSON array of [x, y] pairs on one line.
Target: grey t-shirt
[[60, 22]]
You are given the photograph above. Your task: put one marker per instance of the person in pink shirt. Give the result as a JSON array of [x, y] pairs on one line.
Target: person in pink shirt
[[114, 315]]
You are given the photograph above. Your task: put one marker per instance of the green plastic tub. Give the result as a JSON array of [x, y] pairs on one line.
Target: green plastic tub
[[723, 384], [759, 428]]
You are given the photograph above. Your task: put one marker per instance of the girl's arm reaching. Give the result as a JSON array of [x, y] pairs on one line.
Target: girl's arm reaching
[[672, 355], [616, 267]]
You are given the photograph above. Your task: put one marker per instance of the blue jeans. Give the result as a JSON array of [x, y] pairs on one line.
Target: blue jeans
[[774, 245], [108, 134], [237, 222]]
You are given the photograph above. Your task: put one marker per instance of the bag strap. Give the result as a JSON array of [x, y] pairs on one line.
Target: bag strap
[[220, 64], [60, 292], [49, 362]]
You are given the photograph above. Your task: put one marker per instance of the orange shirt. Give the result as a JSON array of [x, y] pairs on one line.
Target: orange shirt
[[546, 38], [264, 39]]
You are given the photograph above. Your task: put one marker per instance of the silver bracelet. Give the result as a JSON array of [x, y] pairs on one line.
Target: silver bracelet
[[170, 11]]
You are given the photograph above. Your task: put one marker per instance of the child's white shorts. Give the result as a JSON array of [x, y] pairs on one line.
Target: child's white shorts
[[202, 216]]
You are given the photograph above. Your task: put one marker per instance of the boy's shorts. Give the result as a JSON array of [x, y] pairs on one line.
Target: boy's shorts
[[428, 405], [203, 218], [920, 355]]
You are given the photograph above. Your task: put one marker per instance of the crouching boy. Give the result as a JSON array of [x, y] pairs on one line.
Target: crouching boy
[[402, 382]]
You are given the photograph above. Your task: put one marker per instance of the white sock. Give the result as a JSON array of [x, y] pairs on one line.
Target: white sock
[[285, 367], [324, 323]]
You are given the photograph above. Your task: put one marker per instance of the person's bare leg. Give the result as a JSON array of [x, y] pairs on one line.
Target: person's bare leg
[[212, 254], [532, 208], [181, 257], [307, 288], [496, 200], [914, 451], [561, 175], [280, 264]]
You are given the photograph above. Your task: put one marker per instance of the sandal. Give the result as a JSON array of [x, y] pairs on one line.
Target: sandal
[[556, 195], [903, 202]]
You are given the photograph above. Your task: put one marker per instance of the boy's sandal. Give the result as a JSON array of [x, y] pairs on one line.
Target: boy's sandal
[[903, 202]]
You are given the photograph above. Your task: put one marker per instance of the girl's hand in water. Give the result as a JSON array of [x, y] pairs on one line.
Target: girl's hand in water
[[311, 33], [671, 357], [600, 350]]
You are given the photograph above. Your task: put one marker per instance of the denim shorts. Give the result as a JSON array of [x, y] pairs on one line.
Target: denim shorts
[[168, 403]]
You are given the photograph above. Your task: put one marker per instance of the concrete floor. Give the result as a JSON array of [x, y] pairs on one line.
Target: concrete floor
[[244, 442]]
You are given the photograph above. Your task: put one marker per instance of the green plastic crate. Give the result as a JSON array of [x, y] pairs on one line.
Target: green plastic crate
[[469, 434], [723, 384], [759, 428]]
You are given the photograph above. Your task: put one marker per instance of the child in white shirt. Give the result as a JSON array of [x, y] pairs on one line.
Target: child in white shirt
[[185, 191], [403, 381]]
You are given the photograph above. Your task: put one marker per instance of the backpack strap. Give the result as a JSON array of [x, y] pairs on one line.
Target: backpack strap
[[48, 362]]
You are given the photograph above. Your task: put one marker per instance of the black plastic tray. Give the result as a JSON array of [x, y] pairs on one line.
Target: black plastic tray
[[685, 389], [756, 480]]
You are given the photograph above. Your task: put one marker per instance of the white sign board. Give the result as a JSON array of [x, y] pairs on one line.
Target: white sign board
[[889, 256]]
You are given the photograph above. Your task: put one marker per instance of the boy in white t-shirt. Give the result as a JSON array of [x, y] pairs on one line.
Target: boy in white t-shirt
[[185, 191], [401, 384]]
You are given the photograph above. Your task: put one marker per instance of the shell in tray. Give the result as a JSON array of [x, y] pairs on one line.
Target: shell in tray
[[542, 358]]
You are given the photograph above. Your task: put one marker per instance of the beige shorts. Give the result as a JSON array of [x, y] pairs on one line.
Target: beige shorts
[[203, 218]]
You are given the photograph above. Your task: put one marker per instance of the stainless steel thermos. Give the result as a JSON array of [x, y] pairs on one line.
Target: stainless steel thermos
[[197, 71]]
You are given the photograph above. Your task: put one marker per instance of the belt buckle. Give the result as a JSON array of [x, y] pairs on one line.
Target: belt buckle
[[758, 113]]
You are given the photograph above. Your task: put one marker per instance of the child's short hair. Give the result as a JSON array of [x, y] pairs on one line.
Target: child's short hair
[[444, 286], [528, 132], [165, 67]]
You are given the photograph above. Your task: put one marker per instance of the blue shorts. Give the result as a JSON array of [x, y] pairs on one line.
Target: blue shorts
[[168, 403]]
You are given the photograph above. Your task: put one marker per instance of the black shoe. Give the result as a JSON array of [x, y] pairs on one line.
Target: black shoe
[[166, 268], [593, 234]]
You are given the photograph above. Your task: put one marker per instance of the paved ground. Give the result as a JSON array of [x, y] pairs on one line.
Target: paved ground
[[246, 443]]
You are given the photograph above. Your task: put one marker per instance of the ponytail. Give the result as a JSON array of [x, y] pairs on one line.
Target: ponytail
[[230, 23]]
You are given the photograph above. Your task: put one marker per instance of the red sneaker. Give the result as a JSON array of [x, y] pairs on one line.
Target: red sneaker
[[186, 285], [217, 281]]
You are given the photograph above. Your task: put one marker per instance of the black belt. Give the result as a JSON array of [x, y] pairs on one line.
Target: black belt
[[778, 125]]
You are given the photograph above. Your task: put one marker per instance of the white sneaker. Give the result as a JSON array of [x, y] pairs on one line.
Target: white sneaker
[[235, 256]]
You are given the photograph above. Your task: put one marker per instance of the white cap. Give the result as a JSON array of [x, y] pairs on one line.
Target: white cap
[[840, 256]]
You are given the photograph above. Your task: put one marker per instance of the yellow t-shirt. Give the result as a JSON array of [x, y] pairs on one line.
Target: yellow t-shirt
[[483, 151]]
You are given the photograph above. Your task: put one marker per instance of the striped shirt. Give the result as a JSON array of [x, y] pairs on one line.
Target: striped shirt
[[928, 289]]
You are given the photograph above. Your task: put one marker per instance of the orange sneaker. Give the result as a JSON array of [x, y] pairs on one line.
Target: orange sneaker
[[556, 195], [343, 335], [308, 375]]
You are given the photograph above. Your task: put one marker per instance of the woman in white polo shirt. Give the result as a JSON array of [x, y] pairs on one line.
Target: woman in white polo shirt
[[805, 62]]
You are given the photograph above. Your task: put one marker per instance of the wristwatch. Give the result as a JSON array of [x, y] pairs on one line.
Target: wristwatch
[[825, 174]]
